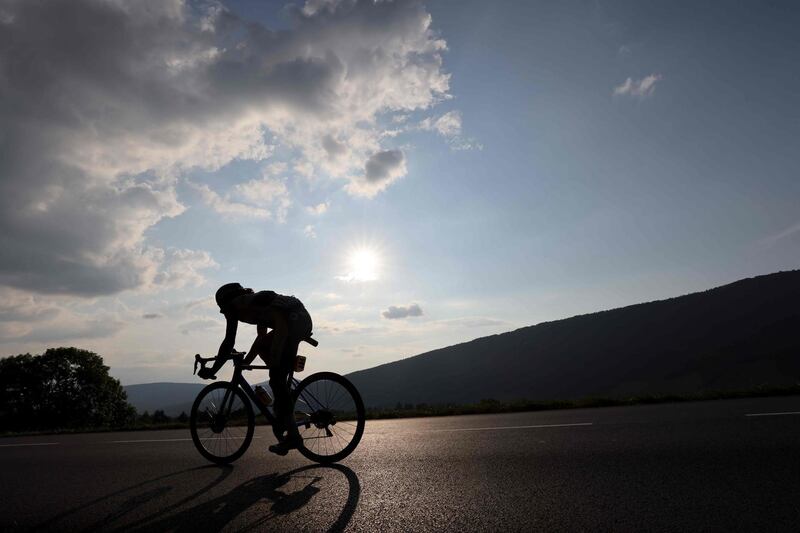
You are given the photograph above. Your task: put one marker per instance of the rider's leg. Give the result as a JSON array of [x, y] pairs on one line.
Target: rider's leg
[[278, 382], [260, 347], [300, 328]]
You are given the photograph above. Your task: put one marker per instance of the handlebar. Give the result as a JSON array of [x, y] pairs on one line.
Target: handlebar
[[202, 361]]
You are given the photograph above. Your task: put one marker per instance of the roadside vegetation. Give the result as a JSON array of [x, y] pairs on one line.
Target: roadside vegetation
[[491, 406], [63, 388], [68, 390]]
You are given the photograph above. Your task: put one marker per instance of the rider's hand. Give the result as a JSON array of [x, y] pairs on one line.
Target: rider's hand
[[206, 373]]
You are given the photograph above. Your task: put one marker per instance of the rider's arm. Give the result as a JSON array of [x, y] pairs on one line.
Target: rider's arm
[[230, 336]]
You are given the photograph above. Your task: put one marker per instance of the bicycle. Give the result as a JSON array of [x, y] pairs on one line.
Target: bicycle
[[328, 409]]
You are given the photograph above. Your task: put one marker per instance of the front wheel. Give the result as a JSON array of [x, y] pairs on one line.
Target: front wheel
[[330, 416], [222, 422]]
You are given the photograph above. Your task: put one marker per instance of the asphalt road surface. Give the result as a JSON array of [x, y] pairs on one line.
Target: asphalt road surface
[[730, 465]]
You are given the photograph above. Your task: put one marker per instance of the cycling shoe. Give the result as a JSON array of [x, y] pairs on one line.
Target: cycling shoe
[[283, 447]]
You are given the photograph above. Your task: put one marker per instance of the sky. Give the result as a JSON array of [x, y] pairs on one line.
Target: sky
[[419, 174]]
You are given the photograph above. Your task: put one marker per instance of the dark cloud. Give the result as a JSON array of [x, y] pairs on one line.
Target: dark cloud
[[399, 311], [151, 316], [383, 166], [333, 147]]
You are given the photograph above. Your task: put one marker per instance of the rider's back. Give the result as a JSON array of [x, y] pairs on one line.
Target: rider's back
[[255, 308]]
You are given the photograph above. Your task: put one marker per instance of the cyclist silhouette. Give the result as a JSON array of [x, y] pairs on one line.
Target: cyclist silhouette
[[289, 323]]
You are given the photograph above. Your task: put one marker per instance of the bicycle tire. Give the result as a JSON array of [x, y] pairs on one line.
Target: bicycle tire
[[203, 420], [349, 432]]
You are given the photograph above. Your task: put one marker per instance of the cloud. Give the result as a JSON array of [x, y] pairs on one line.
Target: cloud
[[19, 306], [105, 105], [319, 209], [343, 327], [227, 207], [263, 198], [380, 170], [449, 127], [26, 317], [152, 316], [276, 168], [199, 325], [446, 125], [384, 166], [181, 268], [396, 311], [309, 232], [266, 192], [638, 88], [303, 168], [333, 147], [790, 231], [474, 322], [73, 330]]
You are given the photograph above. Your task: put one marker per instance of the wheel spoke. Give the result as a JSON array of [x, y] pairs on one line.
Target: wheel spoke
[[343, 430], [222, 424], [333, 430], [338, 391], [331, 403]]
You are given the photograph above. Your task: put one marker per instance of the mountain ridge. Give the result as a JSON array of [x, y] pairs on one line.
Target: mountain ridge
[[684, 352], [733, 336]]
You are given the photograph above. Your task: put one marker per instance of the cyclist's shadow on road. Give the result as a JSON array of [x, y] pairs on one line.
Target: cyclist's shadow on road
[[253, 504], [215, 514]]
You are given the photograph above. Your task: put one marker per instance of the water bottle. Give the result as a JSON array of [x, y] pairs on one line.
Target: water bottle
[[263, 396]]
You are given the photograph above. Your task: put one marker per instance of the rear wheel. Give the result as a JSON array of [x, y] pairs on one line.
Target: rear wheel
[[222, 422], [331, 416]]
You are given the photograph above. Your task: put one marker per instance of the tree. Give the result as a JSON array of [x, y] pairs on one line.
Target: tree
[[64, 388]]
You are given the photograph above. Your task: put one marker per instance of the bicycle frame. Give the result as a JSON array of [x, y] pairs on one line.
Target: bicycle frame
[[239, 380]]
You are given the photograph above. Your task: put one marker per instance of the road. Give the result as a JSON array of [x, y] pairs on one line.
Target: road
[[705, 466]]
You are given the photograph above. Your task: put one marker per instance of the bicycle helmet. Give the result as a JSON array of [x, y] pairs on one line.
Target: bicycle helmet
[[229, 292]]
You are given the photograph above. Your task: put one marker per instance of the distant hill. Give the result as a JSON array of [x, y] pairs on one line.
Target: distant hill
[[172, 398], [736, 336]]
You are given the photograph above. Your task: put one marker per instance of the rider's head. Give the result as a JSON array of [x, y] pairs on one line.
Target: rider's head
[[229, 292]]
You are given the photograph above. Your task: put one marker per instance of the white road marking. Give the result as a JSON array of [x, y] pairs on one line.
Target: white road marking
[[171, 440], [774, 414], [28, 444], [147, 440], [516, 427]]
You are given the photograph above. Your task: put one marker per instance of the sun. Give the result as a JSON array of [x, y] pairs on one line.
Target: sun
[[363, 264]]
